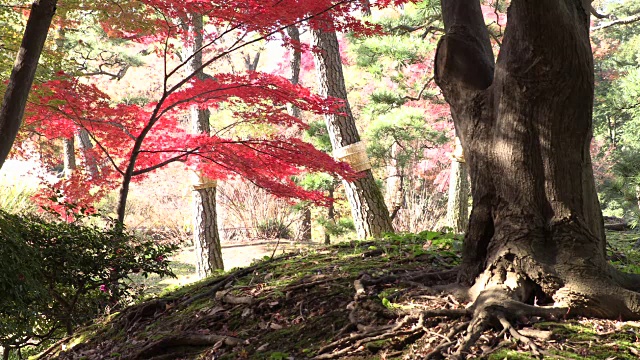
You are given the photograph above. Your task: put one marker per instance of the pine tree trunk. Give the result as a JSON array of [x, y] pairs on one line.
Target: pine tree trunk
[[331, 217], [24, 70], [83, 135], [294, 66], [536, 229], [458, 202], [368, 209], [205, 232], [90, 163], [206, 236], [394, 194], [68, 147], [306, 224]]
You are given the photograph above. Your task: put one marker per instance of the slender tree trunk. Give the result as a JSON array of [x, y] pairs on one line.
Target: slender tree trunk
[[294, 66], [369, 211], [206, 236], [331, 217], [83, 136], [394, 194], [23, 72], [458, 202], [68, 146], [536, 229], [90, 163], [69, 154]]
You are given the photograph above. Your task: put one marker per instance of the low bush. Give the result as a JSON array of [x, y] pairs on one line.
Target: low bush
[[274, 229], [56, 275]]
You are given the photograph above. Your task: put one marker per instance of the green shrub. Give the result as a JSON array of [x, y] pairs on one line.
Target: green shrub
[[56, 275], [274, 229], [339, 227]]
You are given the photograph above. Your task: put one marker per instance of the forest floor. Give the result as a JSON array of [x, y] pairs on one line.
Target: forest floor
[[354, 300]]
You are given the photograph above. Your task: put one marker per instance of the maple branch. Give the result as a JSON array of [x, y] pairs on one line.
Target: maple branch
[[235, 46], [623, 21], [194, 97], [163, 163], [190, 57]]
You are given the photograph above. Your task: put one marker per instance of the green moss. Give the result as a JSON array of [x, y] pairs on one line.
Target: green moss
[[510, 354]]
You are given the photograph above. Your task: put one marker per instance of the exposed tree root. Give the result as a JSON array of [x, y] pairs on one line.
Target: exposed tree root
[[165, 345], [493, 307]]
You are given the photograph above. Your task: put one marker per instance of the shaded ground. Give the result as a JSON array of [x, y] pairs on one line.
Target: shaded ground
[[357, 300], [234, 254]]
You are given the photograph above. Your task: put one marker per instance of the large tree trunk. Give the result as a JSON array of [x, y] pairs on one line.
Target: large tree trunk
[[205, 232], [536, 229], [369, 211], [206, 236], [458, 202], [23, 72]]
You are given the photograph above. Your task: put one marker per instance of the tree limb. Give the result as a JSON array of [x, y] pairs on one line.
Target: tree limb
[[624, 21]]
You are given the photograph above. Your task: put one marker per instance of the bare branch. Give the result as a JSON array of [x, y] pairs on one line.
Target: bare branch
[[624, 21]]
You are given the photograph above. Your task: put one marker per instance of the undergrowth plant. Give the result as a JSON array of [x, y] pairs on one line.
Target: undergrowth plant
[[56, 275]]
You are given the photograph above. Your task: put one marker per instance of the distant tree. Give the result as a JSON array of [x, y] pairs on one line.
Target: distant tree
[[370, 213]]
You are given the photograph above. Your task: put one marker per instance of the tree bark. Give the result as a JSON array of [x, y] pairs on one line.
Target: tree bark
[[369, 211], [458, 202], [206, 236], [394, 194], [90, 163], [205, 232], [525, 123], [69, 154], [23, 72], [331, 217], [294, 66]]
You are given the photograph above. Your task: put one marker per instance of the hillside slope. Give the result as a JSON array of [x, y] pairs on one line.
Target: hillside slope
[[358, 300]]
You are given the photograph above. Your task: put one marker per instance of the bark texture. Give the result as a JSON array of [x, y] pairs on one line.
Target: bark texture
[[90, 163], [394, 192], [68, 147], [458, 202], [205, 232], [23, 72], [294, 67], [369, 211], [206, 236], [525, 123]]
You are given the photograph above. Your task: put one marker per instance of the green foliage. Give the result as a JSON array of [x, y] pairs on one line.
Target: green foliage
[[617, 110], [274, 229], [56, 275], [337, 228], [623, 250], [318, 181], [434, 243], [317, 134], [403, 126]]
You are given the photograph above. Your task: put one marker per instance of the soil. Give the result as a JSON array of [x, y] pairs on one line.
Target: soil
[[356, 300]]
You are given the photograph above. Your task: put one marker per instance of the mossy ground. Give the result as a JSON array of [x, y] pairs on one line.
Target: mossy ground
[[293, 306]]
